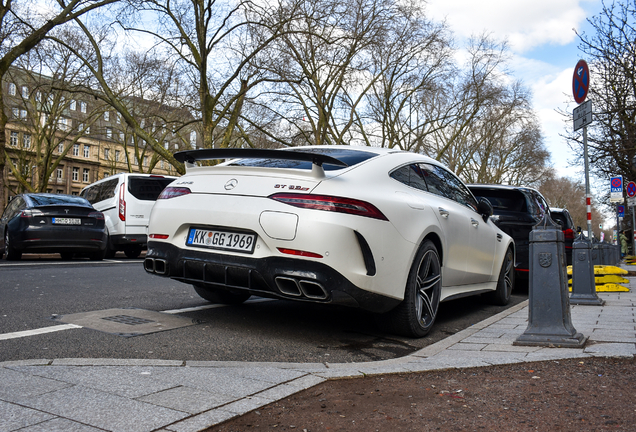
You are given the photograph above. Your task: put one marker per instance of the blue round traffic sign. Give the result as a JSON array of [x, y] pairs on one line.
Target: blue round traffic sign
[[631, 189], [616, 182], [580, 81]]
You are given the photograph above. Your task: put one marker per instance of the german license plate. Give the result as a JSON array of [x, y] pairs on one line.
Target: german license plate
[[67, 221], [222, 240]]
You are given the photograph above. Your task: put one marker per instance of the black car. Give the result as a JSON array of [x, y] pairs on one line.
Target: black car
[[516, 210], [52, 223], [562, 217]]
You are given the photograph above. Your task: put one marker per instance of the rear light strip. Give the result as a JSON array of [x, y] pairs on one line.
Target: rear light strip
[[173, 192], [299, 253], [331, 203]]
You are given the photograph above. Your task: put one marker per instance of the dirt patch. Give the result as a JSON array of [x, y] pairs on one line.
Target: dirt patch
[[594, 394]]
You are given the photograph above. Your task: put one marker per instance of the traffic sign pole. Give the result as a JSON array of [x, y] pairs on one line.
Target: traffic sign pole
[[588, 196]]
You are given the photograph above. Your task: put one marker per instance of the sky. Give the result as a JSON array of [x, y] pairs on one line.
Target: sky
[[544, 52]]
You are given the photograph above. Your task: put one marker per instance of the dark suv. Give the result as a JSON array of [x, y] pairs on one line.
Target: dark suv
[[562, 217], [516, 210]]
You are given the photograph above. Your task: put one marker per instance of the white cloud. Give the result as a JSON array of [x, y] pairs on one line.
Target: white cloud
[[526, 24]]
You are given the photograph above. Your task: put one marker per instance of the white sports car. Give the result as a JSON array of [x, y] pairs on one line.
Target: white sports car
[[388, 231]]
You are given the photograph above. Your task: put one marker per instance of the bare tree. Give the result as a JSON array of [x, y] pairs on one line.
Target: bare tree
[[611, 54], [22, 27]]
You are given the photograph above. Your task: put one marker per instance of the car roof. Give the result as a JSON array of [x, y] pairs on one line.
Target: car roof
[[500, 186]]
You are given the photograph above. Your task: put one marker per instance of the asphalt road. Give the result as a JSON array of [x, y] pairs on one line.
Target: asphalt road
[[44, 293]]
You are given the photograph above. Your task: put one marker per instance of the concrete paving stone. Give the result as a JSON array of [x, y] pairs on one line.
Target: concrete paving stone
[[213, 381], [510, 348], [33, 362], [305, 382], [279, 392], [467, 346], [612, 349], [502, 326], [201, 421], [120, 381], [187, 399], [104, 410], [443, 364], [485, 341], [544, 354], [17, 385], [14, 417], [339, 373], [487, 356], [116, 362], [490, 332], [612, 339], [267, 374], [370, 370], [245, 405], [60, 425], [599, 333]]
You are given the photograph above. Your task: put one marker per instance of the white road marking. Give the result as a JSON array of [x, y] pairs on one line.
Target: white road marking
[[52, 329], [39, 331]]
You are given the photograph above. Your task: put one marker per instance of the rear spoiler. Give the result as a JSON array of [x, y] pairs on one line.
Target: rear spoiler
[[190, 156]]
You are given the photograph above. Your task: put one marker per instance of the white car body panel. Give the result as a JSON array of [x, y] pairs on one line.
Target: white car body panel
[[236, 197]]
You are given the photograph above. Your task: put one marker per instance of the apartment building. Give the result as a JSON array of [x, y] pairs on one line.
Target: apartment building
[[74, 140]]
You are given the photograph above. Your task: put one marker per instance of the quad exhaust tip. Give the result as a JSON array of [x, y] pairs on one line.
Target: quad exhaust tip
[[301, 288], [155, 265]]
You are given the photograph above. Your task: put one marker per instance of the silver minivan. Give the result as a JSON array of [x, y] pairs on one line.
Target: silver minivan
[[126, 200]]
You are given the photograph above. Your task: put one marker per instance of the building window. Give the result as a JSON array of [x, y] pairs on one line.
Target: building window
[[75, 174], [87, 151], [60, 148], [121, 136], [83, 107], [166, 144], [13, 139], [85, 175], [26, 141], [12, 89], [25, 92], [117, 152], [109, 133], [72, 105], [193, 139], [15, 112], [60, 191], [63, 124], [60, 173], [135, 161], [106, 153], [145, 160], [105, 174], [76, 149], [118, 118], [107, 116]]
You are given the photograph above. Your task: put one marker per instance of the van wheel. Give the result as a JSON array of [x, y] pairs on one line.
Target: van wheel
[[133, 252], [11, 253], [66, 256], [221, 296]]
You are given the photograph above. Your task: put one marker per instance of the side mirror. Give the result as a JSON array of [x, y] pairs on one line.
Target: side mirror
[[484, 208]]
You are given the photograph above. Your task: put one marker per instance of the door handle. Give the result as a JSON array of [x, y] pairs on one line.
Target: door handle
[[443, 212], [474, 222]]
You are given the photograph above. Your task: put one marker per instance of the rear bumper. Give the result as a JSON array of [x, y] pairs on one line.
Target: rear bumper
[[128, 239], [31, 241], [275, 277]]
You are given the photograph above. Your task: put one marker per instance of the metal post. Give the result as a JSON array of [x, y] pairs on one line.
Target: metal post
[[633, 232], [588, 196]]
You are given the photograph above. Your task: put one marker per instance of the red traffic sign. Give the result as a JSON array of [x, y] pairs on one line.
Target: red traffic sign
[[580, 81], [631, 189]]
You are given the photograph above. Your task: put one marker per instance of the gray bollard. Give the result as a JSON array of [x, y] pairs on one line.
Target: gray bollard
[[596, 254], [583, 280], [549, 319]]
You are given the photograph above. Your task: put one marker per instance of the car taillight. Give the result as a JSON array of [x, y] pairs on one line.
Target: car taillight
[[568, 234], [96, 215], [159, 236], [30, 213], [330, 203], [299, 253], [122, 202], [173, 192]]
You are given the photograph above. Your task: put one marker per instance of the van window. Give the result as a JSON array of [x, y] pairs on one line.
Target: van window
[[91, 193], [107, 190], [147, 188]]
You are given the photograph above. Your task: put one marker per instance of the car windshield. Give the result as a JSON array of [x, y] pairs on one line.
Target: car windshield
[[501, 199], [348, 156], [44, 200], [147, 188]]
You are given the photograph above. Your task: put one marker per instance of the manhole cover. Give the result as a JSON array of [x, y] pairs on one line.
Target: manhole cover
[[128, 320]]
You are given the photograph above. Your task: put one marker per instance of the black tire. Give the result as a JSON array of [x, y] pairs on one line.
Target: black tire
[[66, 256], [415, 316], [11, 253], [221, 296], [506, 282], [110, 252], [98, 256], [133, 252]]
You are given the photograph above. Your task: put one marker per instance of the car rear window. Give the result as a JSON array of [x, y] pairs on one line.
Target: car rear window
[[147, 188], [560, 217], [44, 200], [501, 199], [348, 156]]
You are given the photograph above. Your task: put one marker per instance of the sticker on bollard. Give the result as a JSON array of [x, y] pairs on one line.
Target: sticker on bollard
[[549, 318]]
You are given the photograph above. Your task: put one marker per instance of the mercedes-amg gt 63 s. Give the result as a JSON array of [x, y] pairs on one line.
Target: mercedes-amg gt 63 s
[[388, 231]]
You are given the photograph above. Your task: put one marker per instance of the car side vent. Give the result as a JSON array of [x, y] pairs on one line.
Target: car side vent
[[367, 255]]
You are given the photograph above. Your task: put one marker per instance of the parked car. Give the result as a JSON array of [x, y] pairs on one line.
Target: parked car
[[516, 210], [52, 223], [563, 218], [388, 231], [126, 200]]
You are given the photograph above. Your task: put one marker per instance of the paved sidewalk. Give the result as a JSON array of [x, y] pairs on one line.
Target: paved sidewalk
[[146, 395]]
